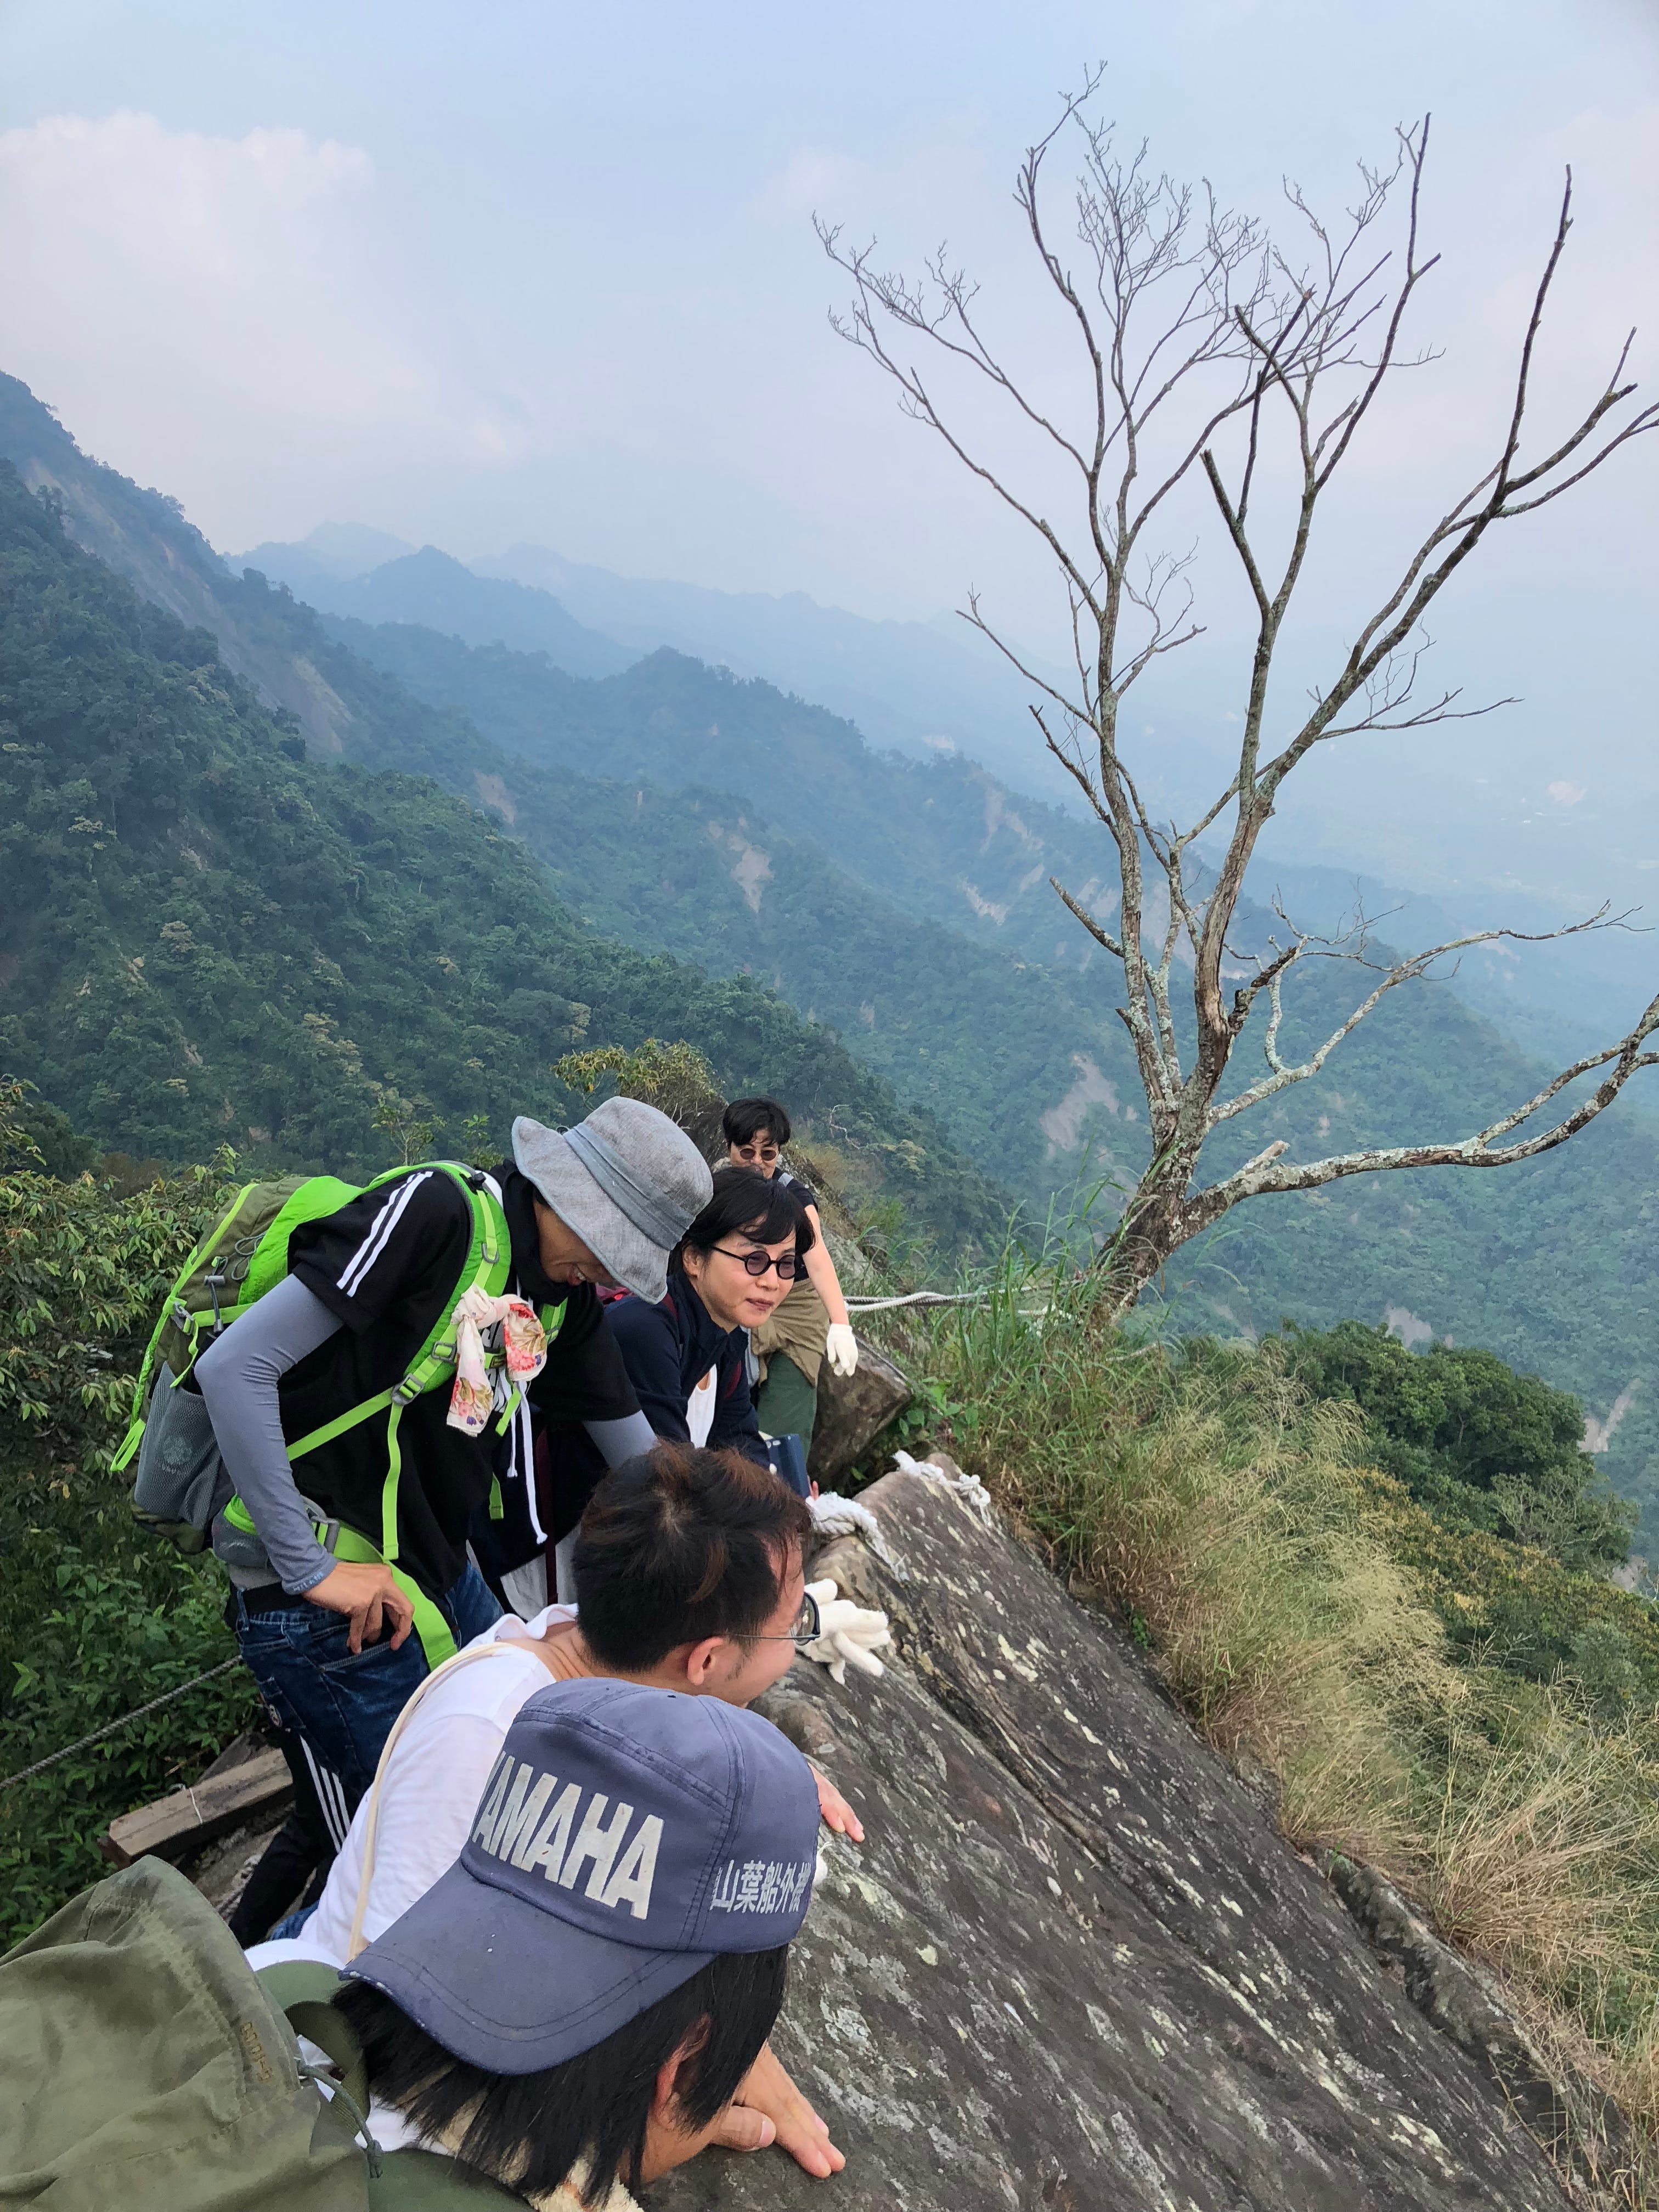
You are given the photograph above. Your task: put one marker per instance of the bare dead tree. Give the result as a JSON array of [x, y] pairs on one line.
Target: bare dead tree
[[1204, 353]]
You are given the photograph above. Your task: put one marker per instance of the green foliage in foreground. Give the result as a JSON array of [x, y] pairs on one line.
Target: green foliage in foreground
[[1467, 1713], [98, 1618]]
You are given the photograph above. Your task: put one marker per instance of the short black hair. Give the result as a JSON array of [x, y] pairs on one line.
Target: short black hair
[[745, 1118], [679, 1544], [748, 1203], [583, 2121]]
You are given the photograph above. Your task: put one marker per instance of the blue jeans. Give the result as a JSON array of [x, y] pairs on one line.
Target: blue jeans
[[342, 1703]]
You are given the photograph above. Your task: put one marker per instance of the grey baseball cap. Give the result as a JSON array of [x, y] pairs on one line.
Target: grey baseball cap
[[626, 1837], [628, 1180]]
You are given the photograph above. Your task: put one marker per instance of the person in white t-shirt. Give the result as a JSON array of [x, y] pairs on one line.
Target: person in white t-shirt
[[689, 1577]]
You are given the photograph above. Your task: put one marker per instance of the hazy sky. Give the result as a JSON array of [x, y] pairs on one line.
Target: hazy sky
[[502, 271]]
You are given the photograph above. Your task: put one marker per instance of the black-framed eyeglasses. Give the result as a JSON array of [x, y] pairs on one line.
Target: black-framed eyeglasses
[[809, 1626], [788, 1265], [756, 1151]]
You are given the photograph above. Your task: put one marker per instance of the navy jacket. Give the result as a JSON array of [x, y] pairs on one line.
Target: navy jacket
[[667, 1349]]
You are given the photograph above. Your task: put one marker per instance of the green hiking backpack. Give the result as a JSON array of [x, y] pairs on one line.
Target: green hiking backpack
[[181, 1486], [148, 2067]]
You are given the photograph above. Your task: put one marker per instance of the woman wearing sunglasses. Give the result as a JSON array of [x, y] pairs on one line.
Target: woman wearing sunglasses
[[687, 1357]]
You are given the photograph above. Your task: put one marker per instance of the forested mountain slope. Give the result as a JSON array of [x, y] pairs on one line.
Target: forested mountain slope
[[621, 855], [942, 836], [954, 840], [207, 937]]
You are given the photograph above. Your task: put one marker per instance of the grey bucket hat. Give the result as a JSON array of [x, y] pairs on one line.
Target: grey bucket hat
[[628, 1180]]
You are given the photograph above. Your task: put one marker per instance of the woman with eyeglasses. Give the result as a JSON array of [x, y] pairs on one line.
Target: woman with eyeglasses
[[687, 1357], [811, 1324]]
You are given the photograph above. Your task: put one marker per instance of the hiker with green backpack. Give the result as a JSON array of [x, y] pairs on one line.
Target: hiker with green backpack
[[373, 1391], [566, 2016]]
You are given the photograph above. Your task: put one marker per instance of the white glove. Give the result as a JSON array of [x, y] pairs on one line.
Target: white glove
[[841, 1348], [849, 1635]]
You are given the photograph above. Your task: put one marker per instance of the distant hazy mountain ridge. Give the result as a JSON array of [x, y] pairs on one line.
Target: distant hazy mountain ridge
[[922, 687], [430, 588]]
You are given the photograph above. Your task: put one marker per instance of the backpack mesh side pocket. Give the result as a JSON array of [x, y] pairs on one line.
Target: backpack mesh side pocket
[[181, 1482]]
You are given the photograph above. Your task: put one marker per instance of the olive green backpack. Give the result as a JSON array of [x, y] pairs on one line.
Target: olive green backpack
[[147, 2068]]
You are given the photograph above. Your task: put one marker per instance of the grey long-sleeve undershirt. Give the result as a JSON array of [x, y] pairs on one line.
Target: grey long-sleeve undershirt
[[239, 1377], [623, 1439]]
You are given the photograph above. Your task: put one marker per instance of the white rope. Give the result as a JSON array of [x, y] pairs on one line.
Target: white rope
[[967, 1487], [938, 1298], [834, 1515]]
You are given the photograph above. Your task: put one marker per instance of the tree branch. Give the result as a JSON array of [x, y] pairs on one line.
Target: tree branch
[[1261, 1175], [1281, 1076]]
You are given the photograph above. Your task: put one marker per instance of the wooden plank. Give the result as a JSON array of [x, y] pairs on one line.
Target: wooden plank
[[257, 1787], [236, 1753]]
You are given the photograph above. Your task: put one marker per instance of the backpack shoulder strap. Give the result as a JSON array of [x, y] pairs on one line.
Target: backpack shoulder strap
[[486, 1266], [398, 2180], [129, 1443], [487, 1263], [234, 1271], [372, 1821]]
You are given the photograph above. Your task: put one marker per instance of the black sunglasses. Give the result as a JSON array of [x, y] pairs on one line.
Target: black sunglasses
[[756, 1263]]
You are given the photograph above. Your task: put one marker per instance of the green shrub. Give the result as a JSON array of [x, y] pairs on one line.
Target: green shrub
[[98, 1618], [1480, 1443]]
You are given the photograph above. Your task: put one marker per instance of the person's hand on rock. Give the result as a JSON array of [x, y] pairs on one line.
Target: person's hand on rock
[[740, 2127], [841, 1348], [766, 2093], [834, 1810]]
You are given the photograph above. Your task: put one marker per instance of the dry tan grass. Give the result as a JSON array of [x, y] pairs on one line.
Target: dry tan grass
[[1546, 1856], [1285, 1630]]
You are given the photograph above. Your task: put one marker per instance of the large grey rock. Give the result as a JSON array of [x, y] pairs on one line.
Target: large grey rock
[[1075, 1967], [853, 1411], [1466, 2003]]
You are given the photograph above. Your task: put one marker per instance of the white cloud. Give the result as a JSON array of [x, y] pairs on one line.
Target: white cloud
[[1565, 794], [245, 295]]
